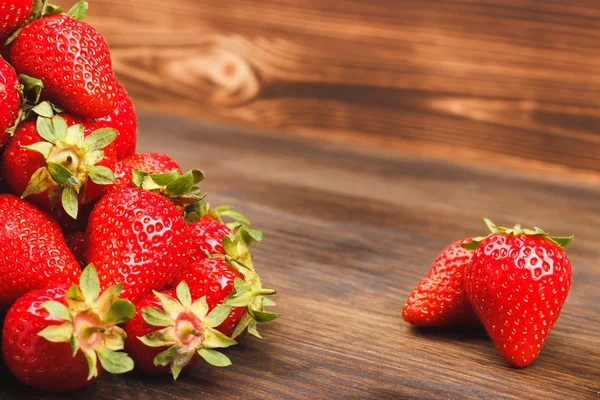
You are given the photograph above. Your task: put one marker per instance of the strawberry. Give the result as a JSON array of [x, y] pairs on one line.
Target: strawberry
[[124, 120], [139, 238], [13, 13], [173, 329], [440, 298], [72, 60], [518, 281], [10, 97], [53, 337], [152, 163], [78, 246], [60, 160], [34, 252]]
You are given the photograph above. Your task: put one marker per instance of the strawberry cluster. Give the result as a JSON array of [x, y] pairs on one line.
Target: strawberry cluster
[[514, 282], [110, 260]]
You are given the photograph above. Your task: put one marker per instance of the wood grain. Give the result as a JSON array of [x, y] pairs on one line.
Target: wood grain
[[348, 234], [495, 80]]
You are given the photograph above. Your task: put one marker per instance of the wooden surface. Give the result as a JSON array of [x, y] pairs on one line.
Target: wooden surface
[[497, 81], [348, 234]]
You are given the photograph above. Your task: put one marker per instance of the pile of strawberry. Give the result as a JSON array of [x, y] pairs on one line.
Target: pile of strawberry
[[514, 282], [102, 249]]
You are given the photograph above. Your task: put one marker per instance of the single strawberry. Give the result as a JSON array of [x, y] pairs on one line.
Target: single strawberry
[[225, 280], [53, 337], [71, 58], [10, 97], [34, 252], [173, 330], [60, 160], [517, 281], [13, 13], [138, 238], [151, 163], [78, 246], [124, 120], [440, 298]]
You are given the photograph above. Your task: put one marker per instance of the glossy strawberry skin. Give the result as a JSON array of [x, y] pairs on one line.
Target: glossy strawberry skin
[[143, 356], [19, 164], [138, 238], [156, 163], [207, 237], [78, 246], [440, 298], [517, 285], [34, 252], [124, 120], [34, 360], [213, 278], [72, 60], [10, 98], [12, 14]]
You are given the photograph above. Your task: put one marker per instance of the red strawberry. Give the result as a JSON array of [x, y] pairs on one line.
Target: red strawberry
[[518, 281], [152, 163], [10, 97], [78, 246], [72, 59], [139, 238], [53, 337], [440, 298], [59, 160], [34, 252], [12, 14], [124, 120], [173, 329]]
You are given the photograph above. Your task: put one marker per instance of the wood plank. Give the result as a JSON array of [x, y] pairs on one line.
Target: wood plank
[[516, 79], [348, 234]]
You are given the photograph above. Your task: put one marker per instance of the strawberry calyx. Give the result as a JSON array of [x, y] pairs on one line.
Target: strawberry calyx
[[71, 160], [180, 189], [517, 230], [188, 329], [91, 322]]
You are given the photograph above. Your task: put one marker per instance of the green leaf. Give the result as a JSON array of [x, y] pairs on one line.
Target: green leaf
[[92, 360], [217, 316], [70, 202], [75, 299], [212, 338], [40, 182], [107, 298], [79, 10], [166, 357], [138, 177], [99, 139], [120, 312], [252, 329], [114, 362], [45, 129], [57, 310], [251, 235], [198, 176], [214, 357], [562, 241], [262, 316], [101, 175], [200, 307], [166, 178], [470, 245], [44, 109], [491, 226], [181, 186], [75, 346], [94, 157], [60, 174], [114, 338], [161, 338], [156, 317], [183, 294], [75, 135], [90, 284], [236, 216], [60, 127], [58, 333], [36, 85], [242, 325], [171, 306], [268, 302], [44, 148]]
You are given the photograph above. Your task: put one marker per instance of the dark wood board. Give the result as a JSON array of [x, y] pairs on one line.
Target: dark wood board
[[490, 80], [348, 234]]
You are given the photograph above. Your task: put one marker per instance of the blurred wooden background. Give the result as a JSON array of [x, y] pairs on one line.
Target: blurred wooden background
[[497, 81]]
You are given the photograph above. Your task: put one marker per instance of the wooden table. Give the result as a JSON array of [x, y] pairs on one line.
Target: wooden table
[[348, 234]]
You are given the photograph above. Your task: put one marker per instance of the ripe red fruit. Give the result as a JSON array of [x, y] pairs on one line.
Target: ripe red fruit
[[518, 281], [53, 337], [78, 246], [12, 14], [34, 252], [152, 163], [139, 238], [72, 59], [60, 160], [173, 330], [440, 298], [10, 97], [207, 237], [124, 120]]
